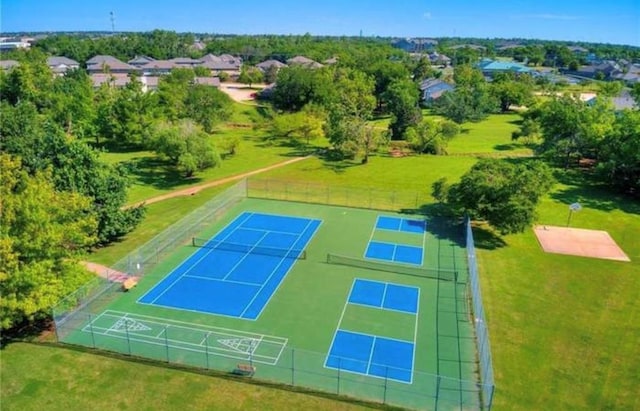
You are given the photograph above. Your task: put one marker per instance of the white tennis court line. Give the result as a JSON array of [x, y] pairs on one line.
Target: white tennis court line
[[373, 344], [282, 260], [221, 280], [186, 260], [246, 254], [191, 346]]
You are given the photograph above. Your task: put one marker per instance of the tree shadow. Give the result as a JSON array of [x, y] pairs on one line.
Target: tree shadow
[[507, 147], [584, 187], [486, 239], [157, 173]]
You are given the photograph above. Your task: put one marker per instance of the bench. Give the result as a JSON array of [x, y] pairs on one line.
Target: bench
[[129, 283], [245, 370]]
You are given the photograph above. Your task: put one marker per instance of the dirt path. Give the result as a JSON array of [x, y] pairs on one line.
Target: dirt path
[[104, 271], [194, 189]]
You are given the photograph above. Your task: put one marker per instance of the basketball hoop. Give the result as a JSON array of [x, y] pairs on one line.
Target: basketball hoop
[[573, 207]]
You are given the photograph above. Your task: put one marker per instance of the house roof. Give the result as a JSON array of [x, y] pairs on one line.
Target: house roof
[[577, 49], [303, 61], [210, 57], [432, 83], [7, 64], [493, 65], [140, 60], [115, 79], [185, 61], [268, 63], [219, 65], [61, 61], [159, 65], [470, 46], [97, 63], [150, 81]]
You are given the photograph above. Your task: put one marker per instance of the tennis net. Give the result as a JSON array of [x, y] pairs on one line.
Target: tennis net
[[250, 249], [449, 275]]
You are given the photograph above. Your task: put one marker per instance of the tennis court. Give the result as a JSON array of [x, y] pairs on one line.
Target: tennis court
[[288, 286], [236, 272], [400, 246]]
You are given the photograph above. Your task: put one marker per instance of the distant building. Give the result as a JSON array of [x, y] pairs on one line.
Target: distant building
[[432, 89], [60, 65], [303, 61], [8, 64], [490, 67], [265, 65], [140, 61], [415, 45], [109, 64], [14, 44]]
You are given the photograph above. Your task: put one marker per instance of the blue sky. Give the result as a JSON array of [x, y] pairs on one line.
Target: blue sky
[[616, 21]]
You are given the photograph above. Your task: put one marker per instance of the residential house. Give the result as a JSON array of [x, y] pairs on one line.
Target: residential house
[[186, 62], [415, 45], [490, 67], [264, 66], [140, 61], [220, 66], [60, 65], [110, 64], [149, 83], [8, 64], [629, 73], [9, 43], [303, 61], [112, 79], [578, 50], [237, 61], [158, 67], [475, 47], [604, 71], [438, 59], [623, 101], [432, 89]]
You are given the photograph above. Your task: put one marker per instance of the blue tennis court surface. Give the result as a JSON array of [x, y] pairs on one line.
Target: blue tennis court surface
[[387, 296], [237, 280], [371, 355], [399, 253], [401, 224]]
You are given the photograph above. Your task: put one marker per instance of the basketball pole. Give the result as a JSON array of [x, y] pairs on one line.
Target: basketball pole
[[569, 219]]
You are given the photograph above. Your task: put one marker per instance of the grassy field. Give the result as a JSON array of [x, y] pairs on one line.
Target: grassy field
[[151, 176], [36, 377], [563, 329]]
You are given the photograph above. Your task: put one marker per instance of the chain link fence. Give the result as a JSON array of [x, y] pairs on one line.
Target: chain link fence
[[480, 323], [82, 318]]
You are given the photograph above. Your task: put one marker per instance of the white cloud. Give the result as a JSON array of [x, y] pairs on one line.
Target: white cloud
[[427, 15]]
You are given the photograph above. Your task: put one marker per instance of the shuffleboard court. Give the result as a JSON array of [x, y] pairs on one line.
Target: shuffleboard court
[[236, 272]]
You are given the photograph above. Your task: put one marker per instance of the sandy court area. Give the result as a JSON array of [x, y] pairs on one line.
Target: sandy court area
[[580, 242], [241, 92]]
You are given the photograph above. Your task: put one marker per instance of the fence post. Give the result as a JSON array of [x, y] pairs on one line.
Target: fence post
[[339, 367], [437, 390], [166, 341], [126, 330], [93, 337], [386, 379], [293, 367], [206, 347]]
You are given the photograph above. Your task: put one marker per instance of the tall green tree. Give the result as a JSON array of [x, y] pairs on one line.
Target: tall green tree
[[186, 146], [511, 90], [42, 230], [620, 154], [71, 103], [402, 98], [207, 106], [499, 192], [250, 75], [432, 136]]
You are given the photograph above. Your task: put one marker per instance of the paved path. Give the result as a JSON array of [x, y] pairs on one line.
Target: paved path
[[194, 189], [104, 271]]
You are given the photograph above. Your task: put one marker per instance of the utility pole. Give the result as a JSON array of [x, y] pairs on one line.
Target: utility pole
[[113, 22]]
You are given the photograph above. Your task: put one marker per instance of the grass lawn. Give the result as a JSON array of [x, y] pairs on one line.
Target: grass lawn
[[39, 377], [489, 137], [564, 330], [152, 176]]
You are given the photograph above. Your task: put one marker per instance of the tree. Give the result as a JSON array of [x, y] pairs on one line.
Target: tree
[[610, 88], [620, 154], [499, 192], [432, 136], [71, 103], [297, 86], [186, 146], [207, 106], [250, 75], [510, 90], [471, 100], [385, 72], [271, 74], [305, 125], [401, 100], [42, 230], [635, 93]]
